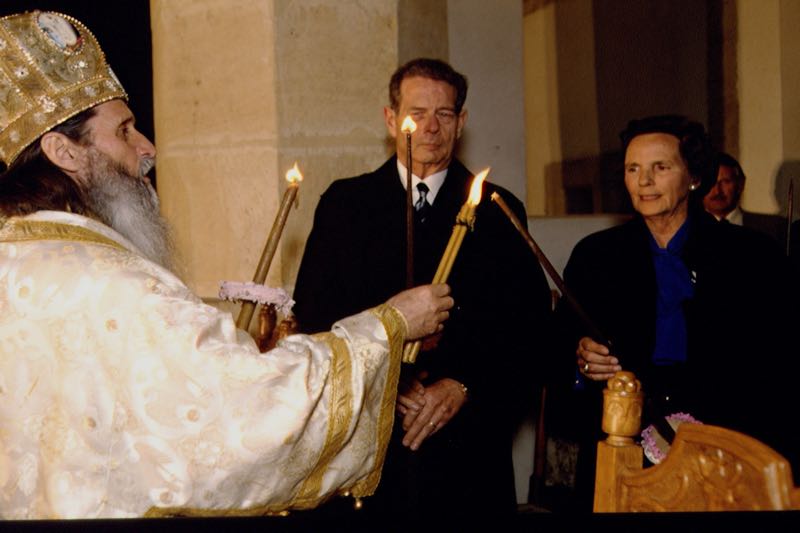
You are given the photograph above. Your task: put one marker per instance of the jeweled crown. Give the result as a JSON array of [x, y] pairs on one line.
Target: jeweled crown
[[51, 68]]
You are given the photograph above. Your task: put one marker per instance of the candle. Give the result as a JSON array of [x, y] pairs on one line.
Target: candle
[[294, 177], [595, 332], [408, 127], [464, 220]]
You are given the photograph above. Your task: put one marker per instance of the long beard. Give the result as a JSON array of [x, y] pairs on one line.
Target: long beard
[[129, 204]]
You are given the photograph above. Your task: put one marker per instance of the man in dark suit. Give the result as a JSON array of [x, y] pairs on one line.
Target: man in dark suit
[[457, 405], [723, 199]]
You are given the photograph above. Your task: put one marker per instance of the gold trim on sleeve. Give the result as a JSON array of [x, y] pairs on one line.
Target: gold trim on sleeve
[[394, 322], [341, 415], [396, 330]]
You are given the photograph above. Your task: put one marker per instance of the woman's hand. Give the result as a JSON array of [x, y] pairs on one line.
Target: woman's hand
[[594, 360]]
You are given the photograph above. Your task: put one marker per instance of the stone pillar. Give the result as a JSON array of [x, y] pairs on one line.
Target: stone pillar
[[422, 30], [334, 60], [242, 90]]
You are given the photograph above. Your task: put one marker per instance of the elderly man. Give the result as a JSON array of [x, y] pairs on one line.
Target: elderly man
[[122, 393], [451, 449], [723, 199]]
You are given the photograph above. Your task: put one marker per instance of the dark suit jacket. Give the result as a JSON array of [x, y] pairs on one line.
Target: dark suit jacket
[[355, 259], [739, 345], [772, 225]]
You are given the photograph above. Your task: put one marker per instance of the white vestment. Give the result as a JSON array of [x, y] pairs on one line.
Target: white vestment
[[123, 395]]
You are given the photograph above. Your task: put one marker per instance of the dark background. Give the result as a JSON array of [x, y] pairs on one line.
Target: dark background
[[122, 27]]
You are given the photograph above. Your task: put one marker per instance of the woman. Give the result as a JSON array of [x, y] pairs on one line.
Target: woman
[[692, 306]]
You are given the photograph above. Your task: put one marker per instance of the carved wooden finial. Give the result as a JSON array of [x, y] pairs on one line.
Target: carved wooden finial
[[622, 408]]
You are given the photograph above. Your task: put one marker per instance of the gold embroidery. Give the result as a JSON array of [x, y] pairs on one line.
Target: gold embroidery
[[341, 414], [18, 230], [189, 512], [393, 320], [396, 329]]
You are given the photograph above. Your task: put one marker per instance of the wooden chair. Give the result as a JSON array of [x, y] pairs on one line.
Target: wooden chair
[[708, 468]]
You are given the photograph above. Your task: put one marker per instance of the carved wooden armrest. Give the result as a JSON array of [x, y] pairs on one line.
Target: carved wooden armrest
[[708, 468]]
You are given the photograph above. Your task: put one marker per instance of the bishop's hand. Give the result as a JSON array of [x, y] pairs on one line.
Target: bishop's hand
[[425, 308]]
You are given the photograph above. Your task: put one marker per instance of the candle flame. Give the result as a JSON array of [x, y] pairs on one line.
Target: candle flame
[[475, 190], [409, 126], [293, 175]]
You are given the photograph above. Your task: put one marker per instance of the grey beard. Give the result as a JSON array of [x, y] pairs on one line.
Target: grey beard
[[129, 205]]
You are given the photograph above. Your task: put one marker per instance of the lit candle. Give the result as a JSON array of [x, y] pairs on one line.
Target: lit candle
[[408, 127], [464, 220], [294, 177]]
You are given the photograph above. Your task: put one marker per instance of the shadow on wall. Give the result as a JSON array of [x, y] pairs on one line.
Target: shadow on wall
[[789, 172], [590, 185]]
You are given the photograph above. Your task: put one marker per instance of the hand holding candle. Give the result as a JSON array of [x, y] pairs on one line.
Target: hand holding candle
[[294, 177], [464, 220], [408, 127]]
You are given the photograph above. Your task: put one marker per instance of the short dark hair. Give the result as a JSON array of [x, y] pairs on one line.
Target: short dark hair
[[695, 146], [725, 159], [33, 183], [433, 69]]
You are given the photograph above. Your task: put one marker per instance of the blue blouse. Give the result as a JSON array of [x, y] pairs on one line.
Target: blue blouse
[[675, 286]]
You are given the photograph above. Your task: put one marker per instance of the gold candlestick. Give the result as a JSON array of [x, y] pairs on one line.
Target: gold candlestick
[[294, 178], [465, 219], [408, 127]]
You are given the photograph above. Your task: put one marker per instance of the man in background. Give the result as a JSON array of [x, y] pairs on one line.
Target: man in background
[[723, 201]]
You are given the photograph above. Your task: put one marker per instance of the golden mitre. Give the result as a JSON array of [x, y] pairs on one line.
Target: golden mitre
[[51, 68]]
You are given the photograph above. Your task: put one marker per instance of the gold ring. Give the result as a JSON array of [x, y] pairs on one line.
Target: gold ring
[[586, 367], [431, 424]]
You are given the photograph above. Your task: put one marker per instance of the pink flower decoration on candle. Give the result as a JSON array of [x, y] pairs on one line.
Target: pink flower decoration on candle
[[256, 293]]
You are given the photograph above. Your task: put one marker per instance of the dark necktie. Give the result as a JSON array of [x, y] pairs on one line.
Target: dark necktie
[[422, 206]]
